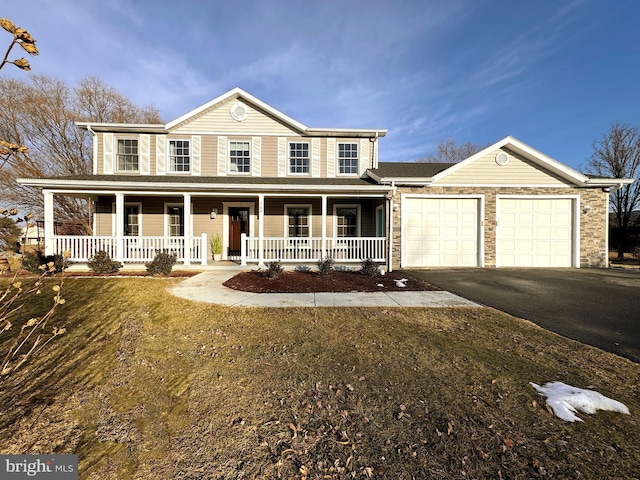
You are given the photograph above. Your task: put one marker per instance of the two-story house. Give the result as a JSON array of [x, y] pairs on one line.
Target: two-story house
[[275, 189]]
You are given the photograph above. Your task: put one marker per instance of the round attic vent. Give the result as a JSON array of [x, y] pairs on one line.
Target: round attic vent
[[502, 158], [239, 112]]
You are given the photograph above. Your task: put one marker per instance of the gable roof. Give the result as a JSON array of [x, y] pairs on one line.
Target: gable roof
[[234, 93], [540, 159], [426, 173]]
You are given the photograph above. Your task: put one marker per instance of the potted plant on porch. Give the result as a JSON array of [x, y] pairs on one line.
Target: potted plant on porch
[[216, 247]]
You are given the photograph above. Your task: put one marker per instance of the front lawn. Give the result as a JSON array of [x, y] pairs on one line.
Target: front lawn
[[149, 386]]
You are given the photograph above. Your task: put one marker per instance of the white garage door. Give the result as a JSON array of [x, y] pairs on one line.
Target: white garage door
[[535, 232], [440, 232]]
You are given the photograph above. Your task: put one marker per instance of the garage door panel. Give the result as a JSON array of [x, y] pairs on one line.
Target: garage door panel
[[449, 232], [535, 232]]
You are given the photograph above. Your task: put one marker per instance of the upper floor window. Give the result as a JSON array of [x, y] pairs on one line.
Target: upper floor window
[[298, 158], [347, 158], [128, 154], [179, 157], [239, 157]]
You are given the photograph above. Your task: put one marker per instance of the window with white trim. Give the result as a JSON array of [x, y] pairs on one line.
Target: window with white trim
[[347, 158], [347, 220], [298, 220], [132, 220], [175, 221], [127, 155], [179, 156], [298, 157], [239, 157]]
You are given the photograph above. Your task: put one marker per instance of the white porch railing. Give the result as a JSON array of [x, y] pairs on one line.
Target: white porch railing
[[133, 249], [309, 249]]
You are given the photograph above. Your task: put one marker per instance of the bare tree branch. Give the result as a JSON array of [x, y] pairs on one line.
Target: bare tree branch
[[448, 152], [41, 114], [617, 155]]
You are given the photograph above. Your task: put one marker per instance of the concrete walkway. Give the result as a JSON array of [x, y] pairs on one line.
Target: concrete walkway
[[207, 287]]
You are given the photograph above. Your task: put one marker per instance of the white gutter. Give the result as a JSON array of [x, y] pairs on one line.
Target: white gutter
[[615, 188]]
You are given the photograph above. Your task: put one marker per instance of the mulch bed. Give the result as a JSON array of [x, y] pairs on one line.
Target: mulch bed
[[335, 281]]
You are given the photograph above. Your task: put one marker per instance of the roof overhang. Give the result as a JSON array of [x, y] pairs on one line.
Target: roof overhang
[[231, 94], [400, 181], [87, 186]]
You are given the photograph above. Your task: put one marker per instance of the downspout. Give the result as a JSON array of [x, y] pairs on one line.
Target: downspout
[[375, 150]]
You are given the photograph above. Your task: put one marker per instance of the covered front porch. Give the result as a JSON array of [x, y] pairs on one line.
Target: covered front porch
[[300, 228], [193, 250]]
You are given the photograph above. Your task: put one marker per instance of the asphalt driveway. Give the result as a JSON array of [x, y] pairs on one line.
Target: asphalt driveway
[[600, 307]]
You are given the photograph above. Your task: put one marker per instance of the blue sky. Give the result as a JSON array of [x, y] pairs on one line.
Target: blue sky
[[553, 73]]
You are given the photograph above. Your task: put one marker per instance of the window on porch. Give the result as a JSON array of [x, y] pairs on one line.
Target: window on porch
[[298, 221], [175, 221], [132, 220], [347, 221]]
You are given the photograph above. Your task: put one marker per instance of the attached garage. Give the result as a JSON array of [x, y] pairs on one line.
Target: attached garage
[[441, 231], [536, 232]]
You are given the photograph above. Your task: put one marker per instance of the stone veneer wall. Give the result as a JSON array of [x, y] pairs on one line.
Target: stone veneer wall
[[593, 224]]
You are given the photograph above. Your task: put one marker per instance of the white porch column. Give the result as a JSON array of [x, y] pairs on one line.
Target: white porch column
[[187, 228], [324, 228], [260, 230], [119, 256], [48, 223]]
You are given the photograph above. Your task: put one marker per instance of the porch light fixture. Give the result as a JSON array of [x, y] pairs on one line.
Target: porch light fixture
[[586, 209], [213, 214], [396, 207]]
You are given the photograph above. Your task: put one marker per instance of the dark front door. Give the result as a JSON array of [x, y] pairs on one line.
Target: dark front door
[[238, 224]]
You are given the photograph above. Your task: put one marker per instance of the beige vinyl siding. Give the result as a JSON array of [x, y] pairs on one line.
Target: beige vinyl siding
[[269, 161], [517, 171], [99, 139], [153, 142], [103, 217], [218, 119], [322, 154], [209, 156]]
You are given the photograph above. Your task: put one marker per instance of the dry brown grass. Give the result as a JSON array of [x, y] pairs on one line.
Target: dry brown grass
[[146, 385]]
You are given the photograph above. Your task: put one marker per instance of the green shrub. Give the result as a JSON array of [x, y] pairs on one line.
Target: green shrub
[[273, 270], [102, 263], [33, 260], [369, 267], [325, 266], [162, 263]]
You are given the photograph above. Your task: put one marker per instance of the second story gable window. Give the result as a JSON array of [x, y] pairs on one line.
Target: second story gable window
[[347, 158], [179, 156], [128, 155], [298, 157], [239, 157]]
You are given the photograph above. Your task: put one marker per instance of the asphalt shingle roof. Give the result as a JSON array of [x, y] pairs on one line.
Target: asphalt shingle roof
[[409, 169]]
